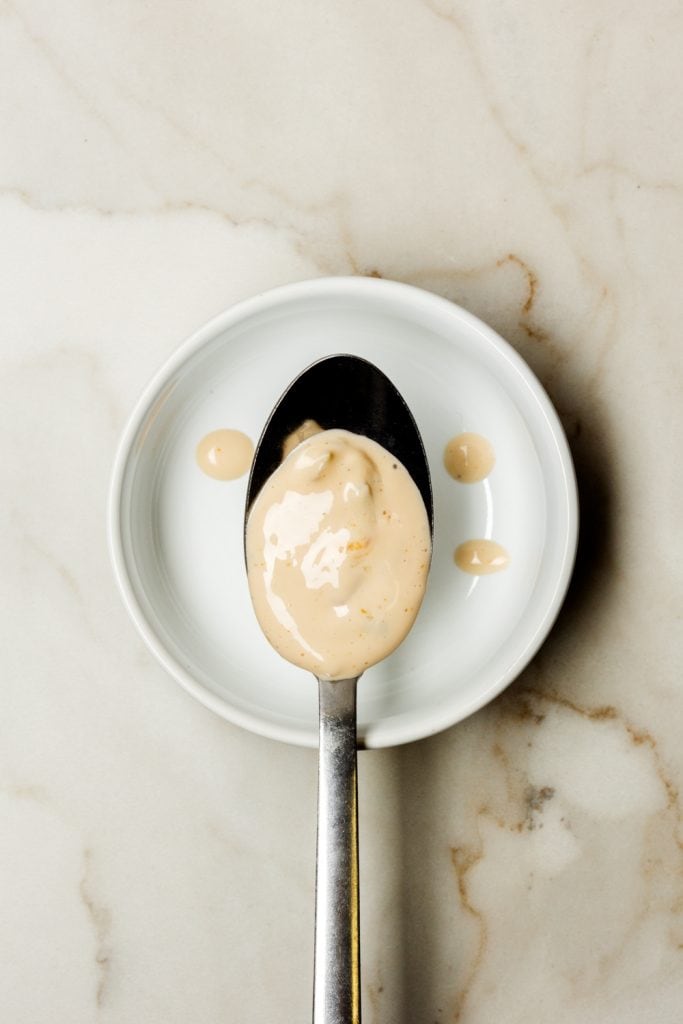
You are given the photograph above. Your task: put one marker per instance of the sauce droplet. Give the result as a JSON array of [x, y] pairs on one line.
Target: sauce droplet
[[309, 428], [481, 557], [225, 454], [469, 458]]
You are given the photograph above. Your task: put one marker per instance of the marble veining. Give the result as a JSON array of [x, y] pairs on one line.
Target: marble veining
[[159, 162], [565, 810], [100, 918]]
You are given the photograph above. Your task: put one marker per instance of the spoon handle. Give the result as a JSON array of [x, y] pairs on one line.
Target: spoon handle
[[336, 988]]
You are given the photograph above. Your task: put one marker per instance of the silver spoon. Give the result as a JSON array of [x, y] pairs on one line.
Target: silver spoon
[[346, 392]]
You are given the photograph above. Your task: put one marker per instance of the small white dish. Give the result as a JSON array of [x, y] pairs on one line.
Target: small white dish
[[176, 534]]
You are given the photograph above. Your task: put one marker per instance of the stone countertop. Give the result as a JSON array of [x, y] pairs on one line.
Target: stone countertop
[[160, 161]]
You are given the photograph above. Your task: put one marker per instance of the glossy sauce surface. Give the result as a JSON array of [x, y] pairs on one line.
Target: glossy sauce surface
[[309, 428], [481, 557], [469, 458], [338, 549], [225, 454]]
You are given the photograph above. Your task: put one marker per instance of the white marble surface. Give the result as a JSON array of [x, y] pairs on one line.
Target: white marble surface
[[159, 160]]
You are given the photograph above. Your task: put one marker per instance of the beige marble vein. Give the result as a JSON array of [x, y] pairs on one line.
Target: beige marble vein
[[552, 863], [100, 916]]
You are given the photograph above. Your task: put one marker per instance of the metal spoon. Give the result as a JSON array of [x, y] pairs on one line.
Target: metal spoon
[[347, 392]]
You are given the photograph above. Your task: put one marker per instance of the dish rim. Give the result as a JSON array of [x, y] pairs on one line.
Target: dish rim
[[338, 287]]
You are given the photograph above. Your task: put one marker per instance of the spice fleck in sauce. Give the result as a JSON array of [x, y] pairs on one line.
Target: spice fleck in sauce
[[338, 548], [481, 557], [469, 458], [225, 454]]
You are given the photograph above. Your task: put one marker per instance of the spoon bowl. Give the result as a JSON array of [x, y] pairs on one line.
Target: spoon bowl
[[343, 392]]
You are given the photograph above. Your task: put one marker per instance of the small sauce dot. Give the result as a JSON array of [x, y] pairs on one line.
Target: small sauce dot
[[481, 557], [469, 458], [224, 454]]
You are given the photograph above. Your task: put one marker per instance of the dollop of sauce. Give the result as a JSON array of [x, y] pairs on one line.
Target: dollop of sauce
[[481, 557], [338, 548], [469, 458], [225, 454], [309, 428]]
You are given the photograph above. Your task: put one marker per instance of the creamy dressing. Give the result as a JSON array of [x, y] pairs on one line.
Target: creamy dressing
[[338, 548], [309, 428], [224, 454], [469, 458], [481, 557]]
